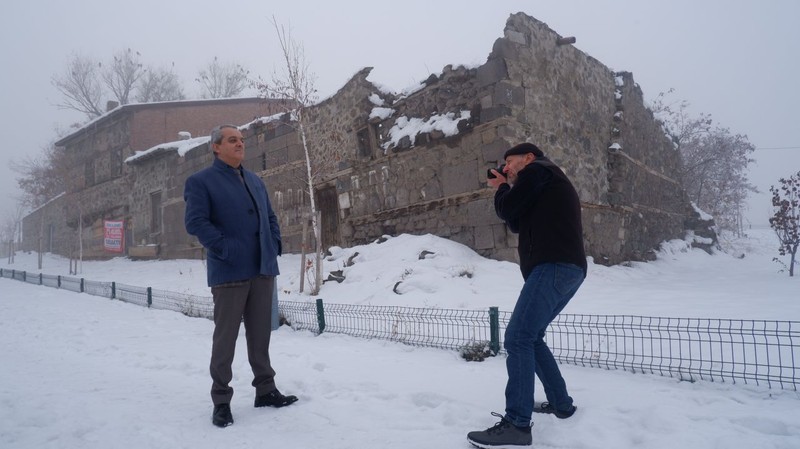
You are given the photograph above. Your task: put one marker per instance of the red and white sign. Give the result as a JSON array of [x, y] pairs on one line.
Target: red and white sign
[[114, 236]]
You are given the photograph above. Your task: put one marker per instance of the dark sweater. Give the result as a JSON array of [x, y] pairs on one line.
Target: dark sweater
[[544, 208]]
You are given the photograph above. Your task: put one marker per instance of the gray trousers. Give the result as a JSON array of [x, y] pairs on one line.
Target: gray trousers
[[252, 300]]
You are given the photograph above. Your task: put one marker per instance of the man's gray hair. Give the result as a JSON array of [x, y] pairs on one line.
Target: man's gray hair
[[216, 133]]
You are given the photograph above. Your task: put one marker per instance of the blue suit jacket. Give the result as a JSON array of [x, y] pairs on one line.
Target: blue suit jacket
[[234, 221]]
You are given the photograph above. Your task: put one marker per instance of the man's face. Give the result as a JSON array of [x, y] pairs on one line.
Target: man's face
[[231, 149], [515, 163]]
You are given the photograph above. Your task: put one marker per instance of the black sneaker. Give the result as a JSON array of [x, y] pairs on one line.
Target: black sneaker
[[222, 416], [501, 435], [274, 399], [545, 407]]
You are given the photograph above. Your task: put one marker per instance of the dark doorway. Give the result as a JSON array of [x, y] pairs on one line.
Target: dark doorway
[[328, 205]]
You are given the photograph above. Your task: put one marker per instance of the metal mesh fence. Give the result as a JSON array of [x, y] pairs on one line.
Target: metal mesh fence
[[750, 351], [132, 294], [97, 288], [189, 305], [441, 328], [71, 283], [50, 280]]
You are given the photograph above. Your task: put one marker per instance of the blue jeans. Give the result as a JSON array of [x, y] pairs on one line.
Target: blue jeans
[[546, 292]]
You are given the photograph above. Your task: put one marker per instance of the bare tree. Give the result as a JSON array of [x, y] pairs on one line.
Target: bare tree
[[41, 177], [86, 83], [714, 162], [786, 221], [11, 230], [159, 84], [81, 87], [8, 229], [222, 80], [122, 74], [297, 84]]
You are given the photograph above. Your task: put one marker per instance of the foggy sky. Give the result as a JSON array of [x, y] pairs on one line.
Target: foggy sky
[[736, 60]]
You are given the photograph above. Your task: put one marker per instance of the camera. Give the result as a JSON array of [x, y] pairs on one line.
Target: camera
[[491, 175]]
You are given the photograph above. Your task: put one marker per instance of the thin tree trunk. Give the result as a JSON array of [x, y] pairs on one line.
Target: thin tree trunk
[[303, 249], [314, 219], [41, 239], [80, 241], [318, 255]]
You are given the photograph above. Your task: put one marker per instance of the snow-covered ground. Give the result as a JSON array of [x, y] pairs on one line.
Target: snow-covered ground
[[78, 371]]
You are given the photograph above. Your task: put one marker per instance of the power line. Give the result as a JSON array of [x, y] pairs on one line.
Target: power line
[[779, 148]]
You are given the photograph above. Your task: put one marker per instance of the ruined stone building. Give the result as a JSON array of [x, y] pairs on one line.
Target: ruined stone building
[[416, 162]]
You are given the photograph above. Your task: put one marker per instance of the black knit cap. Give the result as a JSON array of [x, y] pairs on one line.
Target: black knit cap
[[524, 148]]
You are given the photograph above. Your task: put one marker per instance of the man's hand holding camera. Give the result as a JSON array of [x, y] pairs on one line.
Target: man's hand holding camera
[[495, 176]]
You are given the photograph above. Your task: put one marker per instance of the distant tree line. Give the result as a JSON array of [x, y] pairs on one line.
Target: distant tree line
[[86, 84]]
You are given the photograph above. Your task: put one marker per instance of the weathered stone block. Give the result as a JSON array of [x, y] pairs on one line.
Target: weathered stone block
[[493, 71], [460, 178], [494, 113], [508, 95], [516, 36], [493, 152]]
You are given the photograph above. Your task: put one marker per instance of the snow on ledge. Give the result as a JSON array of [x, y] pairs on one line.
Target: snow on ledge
[[403, 126]]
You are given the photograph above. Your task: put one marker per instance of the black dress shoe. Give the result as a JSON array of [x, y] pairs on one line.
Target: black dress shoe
[[274, 399], [222, 416]]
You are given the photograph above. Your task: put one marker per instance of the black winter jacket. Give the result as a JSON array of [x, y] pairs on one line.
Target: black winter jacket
[[544, 208]]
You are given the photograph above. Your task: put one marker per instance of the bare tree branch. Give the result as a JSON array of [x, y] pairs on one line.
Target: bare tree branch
[[80, 86], [122, 74], [159, 84], [714, 161], [222, 80]]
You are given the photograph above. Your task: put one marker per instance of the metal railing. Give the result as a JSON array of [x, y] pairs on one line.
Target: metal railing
[[761, 352]]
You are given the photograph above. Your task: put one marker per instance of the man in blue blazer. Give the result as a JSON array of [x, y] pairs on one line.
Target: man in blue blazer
[[228, 210]]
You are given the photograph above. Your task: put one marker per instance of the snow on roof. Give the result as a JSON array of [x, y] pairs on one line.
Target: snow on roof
[[411, 127], [381, 113], [181, 146], [185, 145]]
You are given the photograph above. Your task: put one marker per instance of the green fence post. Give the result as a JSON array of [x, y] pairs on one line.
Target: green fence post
[[494, 329], [320, 315], [24, 276], [40, 278], [113, 290], [59, 281], [14, 274], [149, 296], [81, 285]]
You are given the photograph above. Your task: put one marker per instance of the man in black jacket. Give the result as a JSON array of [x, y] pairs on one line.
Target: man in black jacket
[[537, 200]]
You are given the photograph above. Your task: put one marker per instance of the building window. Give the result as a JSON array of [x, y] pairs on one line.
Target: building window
[[88, 172], [364, 147], [116, 162], [155, 212], [263, 161]]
